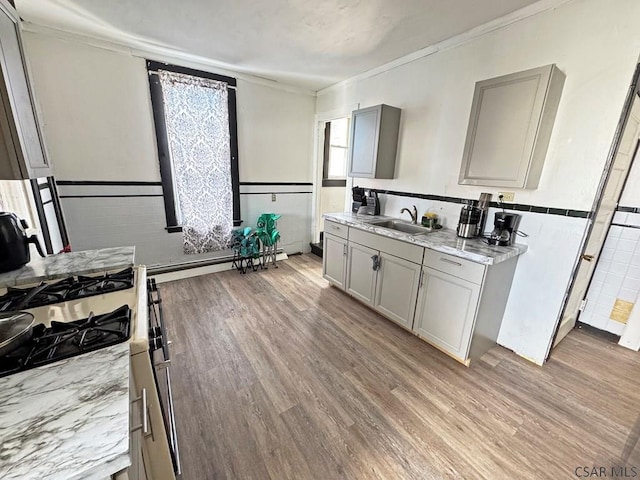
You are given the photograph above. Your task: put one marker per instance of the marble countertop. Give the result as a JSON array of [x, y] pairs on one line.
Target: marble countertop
[[68, 420], [443, 240], [66, 264]]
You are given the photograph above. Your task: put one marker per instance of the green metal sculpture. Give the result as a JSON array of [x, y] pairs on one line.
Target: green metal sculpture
[[269, 235], [246, 248]]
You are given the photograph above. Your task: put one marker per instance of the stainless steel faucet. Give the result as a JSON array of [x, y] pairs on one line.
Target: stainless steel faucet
[[414, 214]]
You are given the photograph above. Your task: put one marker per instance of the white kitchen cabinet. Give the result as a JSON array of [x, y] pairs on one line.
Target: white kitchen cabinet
[[509, 129], [334, 260], [362, 266], [453, 303], [374, 142], [446, 311], [397, 288], [22, 153], [137, 470], [155, 453]]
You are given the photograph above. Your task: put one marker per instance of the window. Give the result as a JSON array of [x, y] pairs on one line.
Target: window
[[196, 130], [336, 136]]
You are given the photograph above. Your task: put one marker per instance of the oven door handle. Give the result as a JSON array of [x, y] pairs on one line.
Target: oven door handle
[[172, 425]]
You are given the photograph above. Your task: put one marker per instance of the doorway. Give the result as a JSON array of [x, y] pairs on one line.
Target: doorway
[[609, 191], [331, 177]]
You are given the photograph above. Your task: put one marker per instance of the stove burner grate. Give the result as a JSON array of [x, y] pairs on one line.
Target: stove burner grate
[[63, 340], [71, 288]]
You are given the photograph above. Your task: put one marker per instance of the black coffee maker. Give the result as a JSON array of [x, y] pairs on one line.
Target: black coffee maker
[[14, 242], [505, 229]]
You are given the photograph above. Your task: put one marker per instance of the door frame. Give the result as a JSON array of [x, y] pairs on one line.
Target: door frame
[[318, 163], [632, 91]]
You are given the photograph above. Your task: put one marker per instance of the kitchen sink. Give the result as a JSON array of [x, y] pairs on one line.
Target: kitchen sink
[[401, 226]]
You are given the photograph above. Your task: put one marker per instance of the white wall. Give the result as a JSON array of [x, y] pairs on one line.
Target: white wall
[[98, 125], [596, 44]]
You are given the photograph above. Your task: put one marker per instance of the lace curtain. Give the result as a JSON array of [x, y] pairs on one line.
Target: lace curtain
[[197, 120]]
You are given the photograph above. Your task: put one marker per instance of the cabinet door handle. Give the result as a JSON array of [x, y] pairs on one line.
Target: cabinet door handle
[[376, 263], [446, 260], [144, 426], [344, 250], [421, 280]]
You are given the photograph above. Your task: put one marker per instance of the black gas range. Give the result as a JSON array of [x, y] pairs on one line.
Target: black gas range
[[67, 339], [71, 288], [52, 341]]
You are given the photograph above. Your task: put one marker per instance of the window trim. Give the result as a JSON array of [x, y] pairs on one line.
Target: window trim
[[164, 157], [326, 181]]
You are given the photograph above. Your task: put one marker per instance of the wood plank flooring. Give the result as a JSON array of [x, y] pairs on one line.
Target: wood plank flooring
[[279, 376]]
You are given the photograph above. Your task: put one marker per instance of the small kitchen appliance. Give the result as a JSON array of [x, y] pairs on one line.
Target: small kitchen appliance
[[371, 205], [505, 229], [483, 204], [365, 202], [14, 242], [470, 216], [357, 199]]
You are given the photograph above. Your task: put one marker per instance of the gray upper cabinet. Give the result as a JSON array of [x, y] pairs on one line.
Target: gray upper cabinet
[[509, 128], [374, 142], [21, 149]]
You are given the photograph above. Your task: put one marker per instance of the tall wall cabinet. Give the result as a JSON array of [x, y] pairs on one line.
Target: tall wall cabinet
[[22, 153]]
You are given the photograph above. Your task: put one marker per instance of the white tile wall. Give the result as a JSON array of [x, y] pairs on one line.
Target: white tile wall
[[617, 273]]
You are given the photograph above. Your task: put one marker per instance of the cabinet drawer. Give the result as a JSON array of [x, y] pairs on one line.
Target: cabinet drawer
[[336, 229], [398, 248], [461, 268]]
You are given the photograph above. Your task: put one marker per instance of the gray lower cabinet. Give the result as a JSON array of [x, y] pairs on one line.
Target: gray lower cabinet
[[22, 152], [334, 260], [455, 304], [386, 282], [396, 289], [446, 311], [362, 272]]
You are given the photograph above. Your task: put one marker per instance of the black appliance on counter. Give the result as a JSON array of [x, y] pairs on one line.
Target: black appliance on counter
[[63, 340], [473, 217], [71, 288], [469, 221], [505, 229], [14, 242], [365, 202]]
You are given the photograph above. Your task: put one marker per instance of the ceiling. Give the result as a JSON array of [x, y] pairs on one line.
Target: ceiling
[[310, 44]]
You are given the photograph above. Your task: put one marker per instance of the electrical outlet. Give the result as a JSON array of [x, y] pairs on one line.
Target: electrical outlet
[[507, 197], [273, 197]]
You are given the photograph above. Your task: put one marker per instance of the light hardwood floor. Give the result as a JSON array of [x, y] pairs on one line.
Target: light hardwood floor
[[279, 376]]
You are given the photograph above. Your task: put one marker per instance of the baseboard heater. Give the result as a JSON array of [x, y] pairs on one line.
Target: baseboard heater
[[176, 267]]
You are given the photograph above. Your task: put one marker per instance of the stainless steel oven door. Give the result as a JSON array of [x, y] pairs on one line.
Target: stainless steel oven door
[[161, 362]]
